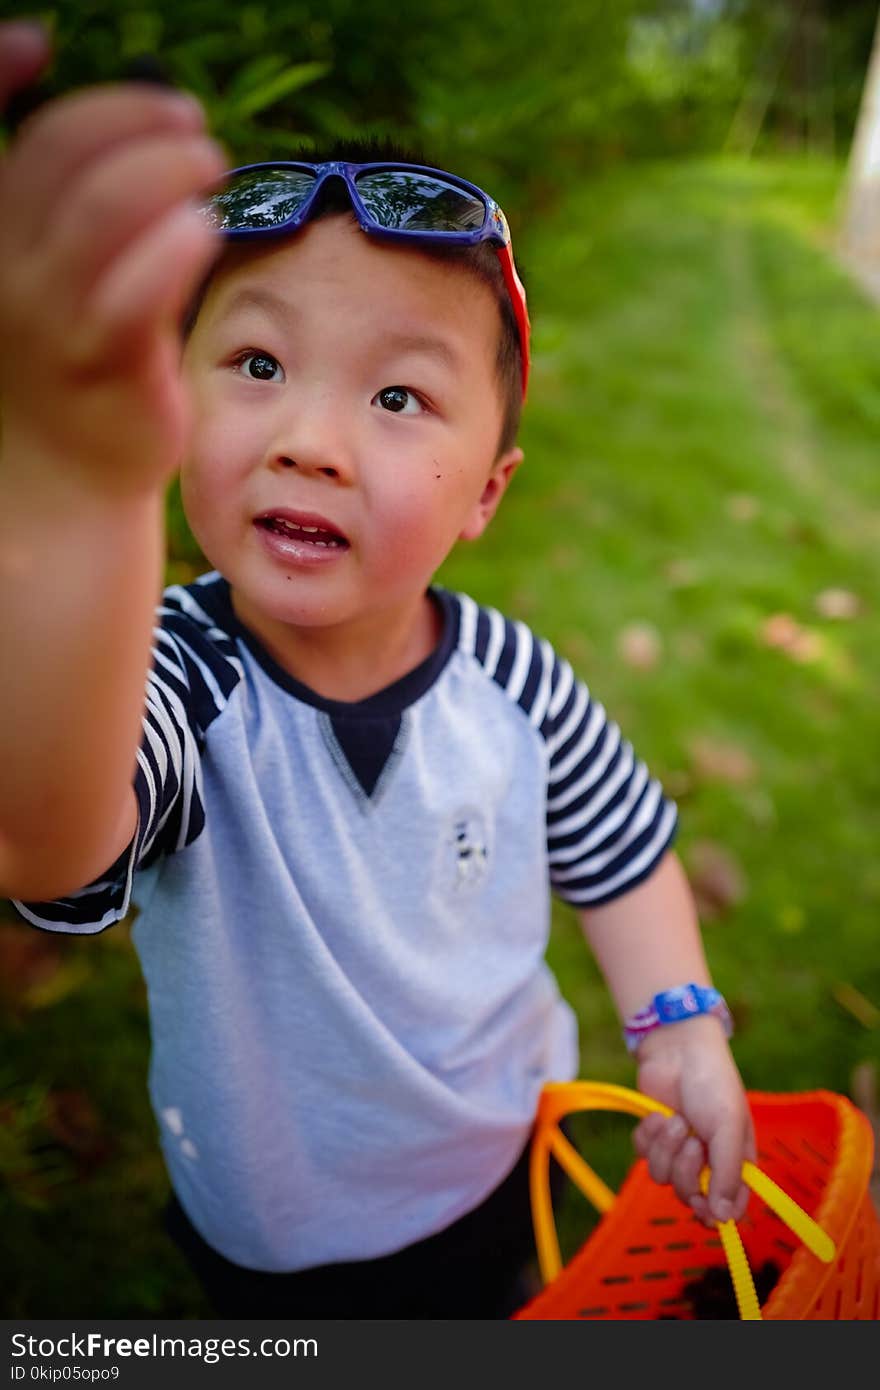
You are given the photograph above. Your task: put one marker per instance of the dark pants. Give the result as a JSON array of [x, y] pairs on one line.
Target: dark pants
[[475, 1268]]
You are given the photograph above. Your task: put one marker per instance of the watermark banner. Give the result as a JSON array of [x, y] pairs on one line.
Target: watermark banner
[[252, 1354]]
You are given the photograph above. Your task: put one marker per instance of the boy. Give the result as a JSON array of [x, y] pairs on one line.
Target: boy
[[347, 789]]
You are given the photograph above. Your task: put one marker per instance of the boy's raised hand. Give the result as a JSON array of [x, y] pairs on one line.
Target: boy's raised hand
[[101, 246]]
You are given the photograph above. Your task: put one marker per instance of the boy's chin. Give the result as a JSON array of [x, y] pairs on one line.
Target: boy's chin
[[296, 601]]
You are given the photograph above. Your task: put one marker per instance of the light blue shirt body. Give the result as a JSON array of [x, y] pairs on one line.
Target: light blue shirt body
[[343, 913]]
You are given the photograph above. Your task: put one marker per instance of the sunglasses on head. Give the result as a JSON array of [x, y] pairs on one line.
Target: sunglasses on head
[[399, 202]]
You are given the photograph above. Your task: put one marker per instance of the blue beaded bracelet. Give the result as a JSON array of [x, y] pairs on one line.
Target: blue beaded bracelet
[[673, 1005]]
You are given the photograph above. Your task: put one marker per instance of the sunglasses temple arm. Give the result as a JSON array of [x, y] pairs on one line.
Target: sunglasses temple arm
[[517, 293]]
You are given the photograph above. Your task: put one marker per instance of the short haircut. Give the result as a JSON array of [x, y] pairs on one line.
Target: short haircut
[[481, 261]]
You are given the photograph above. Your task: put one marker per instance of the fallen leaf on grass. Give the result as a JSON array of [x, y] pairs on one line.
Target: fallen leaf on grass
[[682, 573], [785, 633], [74, 1123], [721, 762], [716, 878], [742, 507], [855, 1003], [839, 604], [780, 630], [640, 646]]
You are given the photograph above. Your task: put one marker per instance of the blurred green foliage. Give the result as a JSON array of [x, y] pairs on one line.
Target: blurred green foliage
[[520, 97]]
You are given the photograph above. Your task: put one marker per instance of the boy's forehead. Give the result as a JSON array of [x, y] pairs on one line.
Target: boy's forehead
[[334, 258]]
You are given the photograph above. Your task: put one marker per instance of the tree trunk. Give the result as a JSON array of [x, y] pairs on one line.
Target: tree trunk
[[859, 238]]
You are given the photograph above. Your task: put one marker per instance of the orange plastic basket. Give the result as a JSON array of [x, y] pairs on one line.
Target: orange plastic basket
[[815, 1153]]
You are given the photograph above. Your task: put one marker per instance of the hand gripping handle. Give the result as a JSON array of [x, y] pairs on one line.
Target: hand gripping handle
[[561, 1098]]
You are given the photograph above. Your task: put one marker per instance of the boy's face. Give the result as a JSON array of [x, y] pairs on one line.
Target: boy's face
[[348, 385]]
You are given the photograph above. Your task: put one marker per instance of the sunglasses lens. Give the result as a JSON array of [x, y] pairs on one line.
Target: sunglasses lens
[[260, 199], [405, 201]]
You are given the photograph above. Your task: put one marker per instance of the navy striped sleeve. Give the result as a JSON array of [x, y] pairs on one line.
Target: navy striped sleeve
[[608, 821], [194, 669]]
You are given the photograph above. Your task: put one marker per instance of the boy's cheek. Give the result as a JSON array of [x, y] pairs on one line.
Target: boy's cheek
[[417, 539], [202, 490]]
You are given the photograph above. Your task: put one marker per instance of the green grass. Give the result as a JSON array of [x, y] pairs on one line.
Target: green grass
[[696, 345], [702, 442]]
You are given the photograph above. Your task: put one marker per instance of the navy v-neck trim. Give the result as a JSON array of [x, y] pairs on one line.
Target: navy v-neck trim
[[386, 704]]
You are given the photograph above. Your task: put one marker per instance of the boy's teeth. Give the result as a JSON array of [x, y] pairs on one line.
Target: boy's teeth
[[292, 526], [294, 529]]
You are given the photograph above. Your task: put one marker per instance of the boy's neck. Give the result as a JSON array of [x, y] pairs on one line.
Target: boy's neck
[[351, 661]]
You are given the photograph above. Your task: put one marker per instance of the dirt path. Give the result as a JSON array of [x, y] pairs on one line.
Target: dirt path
[[797, 451]]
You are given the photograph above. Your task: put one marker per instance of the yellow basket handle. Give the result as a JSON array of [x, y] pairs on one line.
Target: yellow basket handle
[[559, 1098]]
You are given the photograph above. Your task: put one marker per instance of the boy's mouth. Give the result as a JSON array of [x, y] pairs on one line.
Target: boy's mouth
[[303, 528]]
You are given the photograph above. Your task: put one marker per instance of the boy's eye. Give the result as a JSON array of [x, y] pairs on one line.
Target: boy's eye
[[259, 366], [397, 399]]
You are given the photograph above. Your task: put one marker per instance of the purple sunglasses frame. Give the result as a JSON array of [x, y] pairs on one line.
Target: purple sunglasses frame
[[494, 228]]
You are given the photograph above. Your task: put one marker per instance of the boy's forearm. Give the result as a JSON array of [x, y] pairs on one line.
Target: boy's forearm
[[80, 574], [648, 939]]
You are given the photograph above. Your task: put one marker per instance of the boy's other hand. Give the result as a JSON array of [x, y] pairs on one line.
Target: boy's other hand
[[689, 1067], [101, 247]]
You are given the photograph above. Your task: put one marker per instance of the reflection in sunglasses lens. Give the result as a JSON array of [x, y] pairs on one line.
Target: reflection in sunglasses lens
[[261, 198], [411, 202]]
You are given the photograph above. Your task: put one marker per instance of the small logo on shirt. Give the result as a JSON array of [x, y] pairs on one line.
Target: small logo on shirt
[[174, 1120], [467, 851]]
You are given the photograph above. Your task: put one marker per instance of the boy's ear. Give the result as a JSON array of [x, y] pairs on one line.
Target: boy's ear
[[486, 506]]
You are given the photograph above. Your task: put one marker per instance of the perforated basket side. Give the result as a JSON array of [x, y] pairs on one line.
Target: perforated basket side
[[832, 1146], [635, 1263]]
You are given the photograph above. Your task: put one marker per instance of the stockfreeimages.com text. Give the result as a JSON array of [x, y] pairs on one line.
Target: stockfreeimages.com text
[[208, 1349]]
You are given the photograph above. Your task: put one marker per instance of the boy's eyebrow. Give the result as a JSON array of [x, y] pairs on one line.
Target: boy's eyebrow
[[424, 343], [251, 296]]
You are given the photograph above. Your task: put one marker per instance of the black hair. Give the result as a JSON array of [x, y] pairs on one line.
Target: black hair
[[481, 261]]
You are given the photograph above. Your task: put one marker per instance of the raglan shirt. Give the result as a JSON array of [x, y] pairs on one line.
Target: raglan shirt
[[343, 912]]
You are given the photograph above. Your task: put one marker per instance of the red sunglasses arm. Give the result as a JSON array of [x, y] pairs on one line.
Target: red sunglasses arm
[[517, 294]]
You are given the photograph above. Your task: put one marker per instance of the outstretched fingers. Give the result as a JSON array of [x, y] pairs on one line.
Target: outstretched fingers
[[61, 143], [105, 184], [123, 196], [153, 281]]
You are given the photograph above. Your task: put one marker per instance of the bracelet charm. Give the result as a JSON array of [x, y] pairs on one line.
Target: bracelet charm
[[674, 1005]]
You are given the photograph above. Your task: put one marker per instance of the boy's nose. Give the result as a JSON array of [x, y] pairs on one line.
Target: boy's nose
[[305, 463], [313, 444]]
